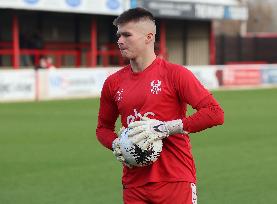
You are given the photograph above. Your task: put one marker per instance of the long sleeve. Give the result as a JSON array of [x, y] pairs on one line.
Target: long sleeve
[[208, 114], [108, 114], [191, 91]]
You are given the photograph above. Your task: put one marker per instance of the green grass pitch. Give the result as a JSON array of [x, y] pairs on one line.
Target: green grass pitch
[[49, 153]]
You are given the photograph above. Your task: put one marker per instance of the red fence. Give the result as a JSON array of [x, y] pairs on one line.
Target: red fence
[[108, 55]]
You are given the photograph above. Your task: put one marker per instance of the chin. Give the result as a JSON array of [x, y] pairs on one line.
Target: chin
[[127, 56]]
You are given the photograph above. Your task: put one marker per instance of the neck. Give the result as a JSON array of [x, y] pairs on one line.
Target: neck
[[140, 63]]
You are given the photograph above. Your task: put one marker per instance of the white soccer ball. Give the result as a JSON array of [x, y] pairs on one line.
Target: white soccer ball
[[136, 156]]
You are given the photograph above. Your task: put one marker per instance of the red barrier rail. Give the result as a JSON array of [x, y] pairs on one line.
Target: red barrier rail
[[108, 54], [58, 54]]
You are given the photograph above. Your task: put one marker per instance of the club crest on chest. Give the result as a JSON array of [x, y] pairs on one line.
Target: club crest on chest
[[156, 86]]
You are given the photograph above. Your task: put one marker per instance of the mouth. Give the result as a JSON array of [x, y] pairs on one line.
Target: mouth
[[122, 49]]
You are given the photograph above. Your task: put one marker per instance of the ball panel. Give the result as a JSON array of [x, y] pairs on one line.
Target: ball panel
[[136, 156]]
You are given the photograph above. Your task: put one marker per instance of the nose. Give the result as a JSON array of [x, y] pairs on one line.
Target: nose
[[120, 40]]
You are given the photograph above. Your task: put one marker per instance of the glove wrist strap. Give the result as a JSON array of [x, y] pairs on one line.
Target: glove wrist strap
[[175, 127]]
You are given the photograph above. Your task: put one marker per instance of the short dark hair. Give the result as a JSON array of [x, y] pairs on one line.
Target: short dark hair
[[134, 14]]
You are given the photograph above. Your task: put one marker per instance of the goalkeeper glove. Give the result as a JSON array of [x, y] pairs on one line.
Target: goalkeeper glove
[[149, 130], [117, 151]]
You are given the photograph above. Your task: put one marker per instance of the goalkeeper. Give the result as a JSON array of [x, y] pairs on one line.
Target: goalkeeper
[[151, 96]]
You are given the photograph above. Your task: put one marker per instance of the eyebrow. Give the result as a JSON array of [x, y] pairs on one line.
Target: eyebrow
[[123, 33]]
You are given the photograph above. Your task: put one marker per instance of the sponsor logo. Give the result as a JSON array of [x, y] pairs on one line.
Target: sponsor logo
[[58, 81], [73, 3], [31, 1], [156, 86], [63, 82], [137, 115], [19, 87], [113, 4]]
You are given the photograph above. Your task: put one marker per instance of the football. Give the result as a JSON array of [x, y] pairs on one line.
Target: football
[[136, 156]]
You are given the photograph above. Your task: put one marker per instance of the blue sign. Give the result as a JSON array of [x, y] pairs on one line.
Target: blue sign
[[73, 3], [56, 81], [227, 14], [269, 75], [113, 4], [31, 1], [133, 3]]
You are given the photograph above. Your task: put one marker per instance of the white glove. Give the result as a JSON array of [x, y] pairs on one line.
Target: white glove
[[150, 130], [117, 151]]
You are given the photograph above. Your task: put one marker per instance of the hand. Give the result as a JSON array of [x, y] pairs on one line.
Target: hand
[[148, 130], [117, 151]]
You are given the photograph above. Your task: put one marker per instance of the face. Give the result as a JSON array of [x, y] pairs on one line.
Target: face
[[132, 39]]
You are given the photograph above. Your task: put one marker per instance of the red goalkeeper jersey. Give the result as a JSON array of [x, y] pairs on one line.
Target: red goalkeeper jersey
[[162, 91]]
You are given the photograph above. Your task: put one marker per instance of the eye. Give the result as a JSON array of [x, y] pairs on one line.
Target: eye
[[118, 35], [126, 34]]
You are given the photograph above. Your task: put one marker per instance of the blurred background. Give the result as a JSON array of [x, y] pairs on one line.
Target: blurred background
[[55, 56]]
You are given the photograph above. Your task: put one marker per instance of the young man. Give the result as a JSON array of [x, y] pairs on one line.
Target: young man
[[151, 96]]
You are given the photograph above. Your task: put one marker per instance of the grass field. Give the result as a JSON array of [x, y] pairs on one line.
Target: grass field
[[49, 153]]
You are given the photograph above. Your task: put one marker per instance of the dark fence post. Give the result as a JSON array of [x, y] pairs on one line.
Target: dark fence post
[[254, 48], [239, 47], [222, 41]]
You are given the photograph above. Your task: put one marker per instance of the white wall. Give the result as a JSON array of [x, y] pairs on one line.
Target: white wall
[[18, 85]]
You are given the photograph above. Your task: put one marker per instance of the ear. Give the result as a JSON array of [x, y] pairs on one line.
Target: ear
[[149, 38]]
